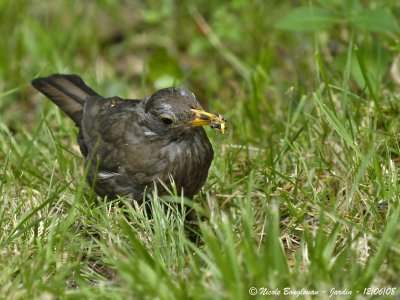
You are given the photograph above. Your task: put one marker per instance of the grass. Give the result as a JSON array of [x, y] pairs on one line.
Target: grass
[[303, 193]]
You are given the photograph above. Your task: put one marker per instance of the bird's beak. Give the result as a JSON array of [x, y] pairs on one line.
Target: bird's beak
[[202, 118]]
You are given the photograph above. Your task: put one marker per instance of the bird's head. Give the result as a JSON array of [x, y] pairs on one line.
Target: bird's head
[[176, 109]]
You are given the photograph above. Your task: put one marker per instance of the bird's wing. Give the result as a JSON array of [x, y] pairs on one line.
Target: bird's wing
[[107, 126], [112, 131]]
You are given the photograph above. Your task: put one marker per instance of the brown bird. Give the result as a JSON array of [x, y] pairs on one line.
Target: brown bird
[[130, 145]]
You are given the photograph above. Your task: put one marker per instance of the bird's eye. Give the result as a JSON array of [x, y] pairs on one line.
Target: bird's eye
[[167, 119]]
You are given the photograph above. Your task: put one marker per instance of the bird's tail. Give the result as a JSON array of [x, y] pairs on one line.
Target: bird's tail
[[68, 92]]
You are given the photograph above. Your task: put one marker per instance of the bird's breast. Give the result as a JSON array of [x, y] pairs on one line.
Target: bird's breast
[[188, 161]]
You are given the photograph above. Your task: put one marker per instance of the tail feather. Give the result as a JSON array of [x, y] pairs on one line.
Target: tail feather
[[68, 92]]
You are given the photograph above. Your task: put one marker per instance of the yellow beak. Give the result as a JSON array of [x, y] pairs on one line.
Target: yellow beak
[[205, 118]]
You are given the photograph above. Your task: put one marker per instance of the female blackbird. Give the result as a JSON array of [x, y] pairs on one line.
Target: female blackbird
[[132, 145]]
